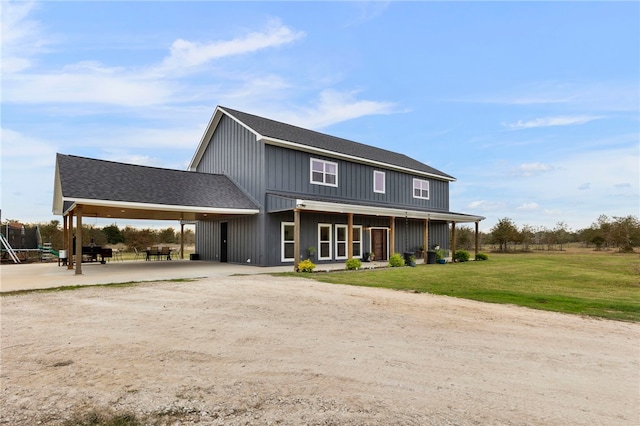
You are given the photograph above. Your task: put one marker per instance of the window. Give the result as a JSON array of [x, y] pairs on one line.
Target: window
[[378, 181], [324, 241], [357, 241], [421, 189], [341, 241], [287, 248], [324, 172]]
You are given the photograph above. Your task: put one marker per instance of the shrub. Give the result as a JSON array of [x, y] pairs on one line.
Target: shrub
[[352, 264], [461, 256], [396, 260], [306, 266], [482, 256]]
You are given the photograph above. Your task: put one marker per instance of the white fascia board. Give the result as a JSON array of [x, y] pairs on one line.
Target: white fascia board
[[323, 206], [301, 147], [208, 134], [58, 203], [158, 207]]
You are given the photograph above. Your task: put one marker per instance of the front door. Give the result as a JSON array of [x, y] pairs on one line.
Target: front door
[[223, 242], [379, 243]]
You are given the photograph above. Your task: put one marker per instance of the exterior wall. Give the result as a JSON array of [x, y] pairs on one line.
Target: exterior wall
[[289, 172], [257, 168], [234, 151], [244, 242]]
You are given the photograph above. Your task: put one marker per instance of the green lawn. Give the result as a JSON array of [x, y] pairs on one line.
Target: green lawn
[[598, 284]]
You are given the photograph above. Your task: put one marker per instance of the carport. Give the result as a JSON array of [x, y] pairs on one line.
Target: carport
[[86, 187]]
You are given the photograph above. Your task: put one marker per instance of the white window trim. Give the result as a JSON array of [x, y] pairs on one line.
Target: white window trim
[[413, 189], [358, 242], [320, 226], [324, 174], [384, 181], [282, 251], [345, 242]]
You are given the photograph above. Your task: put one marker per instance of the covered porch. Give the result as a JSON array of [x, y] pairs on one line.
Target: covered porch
[[392, 216]]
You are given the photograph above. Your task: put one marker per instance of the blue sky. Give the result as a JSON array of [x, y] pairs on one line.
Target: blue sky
[[533, 107]]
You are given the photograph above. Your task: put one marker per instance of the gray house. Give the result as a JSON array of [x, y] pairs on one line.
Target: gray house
[[268, 193]]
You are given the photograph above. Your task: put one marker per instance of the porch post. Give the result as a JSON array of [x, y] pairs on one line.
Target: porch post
[[296, 239], [181, 240], [350, 236], [70, 258], [64, 232], [392, 236], [425, 238], [477, 223], [453, 239], [79, 240]]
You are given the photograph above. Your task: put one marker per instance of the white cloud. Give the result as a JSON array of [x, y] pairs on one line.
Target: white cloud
[[531, 169], [20, 37], [90, 86], [485, 206], [187, 54], [552, 121], [584, 186], [528, 207], [334, 107]]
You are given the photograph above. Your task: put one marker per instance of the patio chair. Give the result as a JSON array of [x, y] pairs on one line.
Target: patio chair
[[165, 252], [139, 253]]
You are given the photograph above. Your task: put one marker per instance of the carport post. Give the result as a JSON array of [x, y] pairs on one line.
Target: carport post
[[181, 240], [70, 242], [79, 240]]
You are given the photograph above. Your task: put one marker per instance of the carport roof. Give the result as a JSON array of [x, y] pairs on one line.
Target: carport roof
[[119, 190]]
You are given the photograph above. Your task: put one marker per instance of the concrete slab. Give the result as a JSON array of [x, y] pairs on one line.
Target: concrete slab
[[30, 276]]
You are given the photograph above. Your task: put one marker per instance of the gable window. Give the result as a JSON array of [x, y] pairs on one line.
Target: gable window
[[324, 241], [378, 181], [421, 189], [286, 249], [324, 172]]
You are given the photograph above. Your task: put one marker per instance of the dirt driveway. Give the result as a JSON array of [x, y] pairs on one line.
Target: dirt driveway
[[264, 350]]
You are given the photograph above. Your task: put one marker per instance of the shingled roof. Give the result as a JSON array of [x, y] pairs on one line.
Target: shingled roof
[[81, 178], [298, 135]]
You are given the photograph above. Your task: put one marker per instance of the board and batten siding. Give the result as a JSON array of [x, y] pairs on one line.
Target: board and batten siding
[[235, 152], [289, 171], [244, 242]]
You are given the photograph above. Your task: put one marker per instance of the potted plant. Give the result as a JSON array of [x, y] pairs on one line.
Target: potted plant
[[412, 261], [372, 256], [312, 251]]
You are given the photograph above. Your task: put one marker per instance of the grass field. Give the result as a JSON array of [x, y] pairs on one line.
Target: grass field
[[584, 282]]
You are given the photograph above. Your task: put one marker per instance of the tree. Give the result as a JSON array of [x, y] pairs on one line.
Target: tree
[[527, 236], [561, 233], [113, 234], [465, 238], [167, 236], [503, 232], [51, 233], [625, 232]]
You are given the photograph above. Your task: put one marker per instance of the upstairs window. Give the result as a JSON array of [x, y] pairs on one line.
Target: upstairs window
[[324, 172], [421, 189], [378, 181]]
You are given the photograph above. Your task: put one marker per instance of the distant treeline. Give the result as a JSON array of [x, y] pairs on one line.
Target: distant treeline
[[621, 233], [111, 235]]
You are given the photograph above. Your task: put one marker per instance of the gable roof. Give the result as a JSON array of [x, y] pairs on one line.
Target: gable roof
[[121, 186], [278, 133]]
